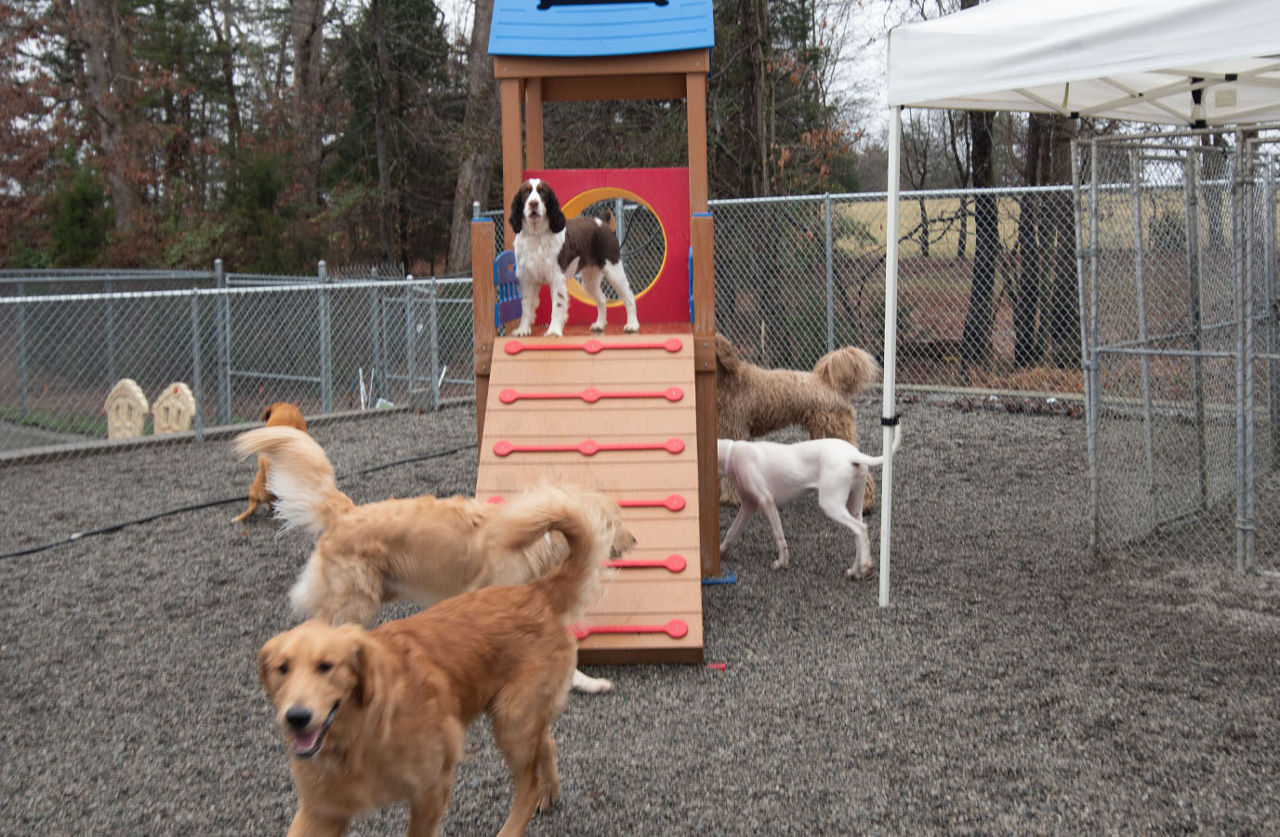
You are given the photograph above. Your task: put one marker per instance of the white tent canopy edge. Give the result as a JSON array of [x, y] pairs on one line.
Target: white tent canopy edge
[[1192, 63]]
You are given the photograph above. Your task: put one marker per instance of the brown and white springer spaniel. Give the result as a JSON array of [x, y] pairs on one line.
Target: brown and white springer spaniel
[[549, 249]]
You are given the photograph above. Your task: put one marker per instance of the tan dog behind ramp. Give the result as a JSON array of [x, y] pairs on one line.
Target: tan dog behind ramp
[[279, 414], [377, 717]]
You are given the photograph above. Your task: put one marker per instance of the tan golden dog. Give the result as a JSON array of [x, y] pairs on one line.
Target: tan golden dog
[[425, 549], [279, 414], [752, 401], [376, 717]]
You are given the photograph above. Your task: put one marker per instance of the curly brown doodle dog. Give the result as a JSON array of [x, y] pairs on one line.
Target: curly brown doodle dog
[[377, 717], [279, 414], [425, 549], [752, 401]]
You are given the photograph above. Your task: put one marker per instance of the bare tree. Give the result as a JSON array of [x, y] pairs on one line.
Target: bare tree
[[478, 140], [307, 37], [108, 86]]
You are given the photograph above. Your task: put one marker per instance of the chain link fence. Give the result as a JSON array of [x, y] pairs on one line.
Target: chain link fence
[[1179, 269], [218, 351], [795, 278], [798, 277]]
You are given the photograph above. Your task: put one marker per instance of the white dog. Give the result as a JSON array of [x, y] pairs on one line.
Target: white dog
[[549, 249], [768, 475]]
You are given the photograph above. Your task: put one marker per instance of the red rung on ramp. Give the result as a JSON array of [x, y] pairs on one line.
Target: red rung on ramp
[[675, 629], [588, 447], [591, 347], [672, 563], [673, 502], [591, 395]]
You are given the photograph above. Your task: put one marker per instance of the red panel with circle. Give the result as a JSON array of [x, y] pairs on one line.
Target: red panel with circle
[[665, 193]]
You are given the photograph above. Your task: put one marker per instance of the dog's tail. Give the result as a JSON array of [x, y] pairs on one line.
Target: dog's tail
[[866, 459], [848, 371], [571, 584], [299, 475]]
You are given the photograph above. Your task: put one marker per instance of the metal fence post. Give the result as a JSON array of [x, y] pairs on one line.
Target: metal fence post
[[1235, 180], [326, 342], [195, 363], [831, 274], [111, 331], [410, 338], [433, 320], [375, 335], [1092, 373], [23, 372], [1247, 189], [1194, 256], [223, 332], [1139, 279], [1269, 282]]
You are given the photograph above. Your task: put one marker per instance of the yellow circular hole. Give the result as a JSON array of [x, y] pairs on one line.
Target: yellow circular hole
[[640, 232]]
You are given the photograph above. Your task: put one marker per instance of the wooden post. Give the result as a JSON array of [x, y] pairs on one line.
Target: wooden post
[[512, 159], [533, 155], [483, 297], [702, 240], [696, 85]]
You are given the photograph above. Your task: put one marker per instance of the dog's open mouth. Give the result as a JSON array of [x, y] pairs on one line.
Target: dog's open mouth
[[307, 744]]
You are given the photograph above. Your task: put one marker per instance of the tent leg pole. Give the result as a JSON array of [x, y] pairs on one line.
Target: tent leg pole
[[889, 414]]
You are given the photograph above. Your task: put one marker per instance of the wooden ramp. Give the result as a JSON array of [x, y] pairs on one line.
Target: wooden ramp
[[615, 413]]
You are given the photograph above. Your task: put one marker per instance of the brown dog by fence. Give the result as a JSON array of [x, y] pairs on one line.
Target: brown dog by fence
[[279, 414]]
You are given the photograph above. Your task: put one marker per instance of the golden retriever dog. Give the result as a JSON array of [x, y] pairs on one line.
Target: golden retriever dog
[[279, 414], [377, 717], [752, 401], [425, 549]]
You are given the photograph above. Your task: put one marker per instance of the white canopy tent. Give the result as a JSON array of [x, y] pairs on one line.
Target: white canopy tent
[[1191, 63]]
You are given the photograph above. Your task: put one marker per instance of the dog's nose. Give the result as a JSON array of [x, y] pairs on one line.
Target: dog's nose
[[297, 717]]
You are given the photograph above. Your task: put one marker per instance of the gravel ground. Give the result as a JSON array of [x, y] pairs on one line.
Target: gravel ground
[[1014, 685]]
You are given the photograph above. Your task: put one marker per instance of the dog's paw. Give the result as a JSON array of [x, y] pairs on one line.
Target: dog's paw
[[780, 564], [522, 332], [548, 798], [598, 327], [631, 328], [858, 573], [554, 332]]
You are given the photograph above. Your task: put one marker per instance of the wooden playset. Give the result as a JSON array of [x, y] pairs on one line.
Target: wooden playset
[[632, 415]]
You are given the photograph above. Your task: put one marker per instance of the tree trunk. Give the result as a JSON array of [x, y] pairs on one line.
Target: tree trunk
[[226, 46], [102, 38], [1060, 321], [386, 203], [1025, 294], [975, 343], [479, 143], [307, 34], [755, 105]]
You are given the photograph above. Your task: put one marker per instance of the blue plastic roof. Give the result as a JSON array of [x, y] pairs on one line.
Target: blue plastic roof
[[572, 28]]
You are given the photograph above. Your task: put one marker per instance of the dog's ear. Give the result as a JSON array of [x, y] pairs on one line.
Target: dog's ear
[[266, 414], [555, 217], [368, 663], [264, 659], [516, 218], [727, 360]]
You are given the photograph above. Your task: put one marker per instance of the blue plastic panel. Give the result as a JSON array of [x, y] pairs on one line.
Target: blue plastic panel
[[574, 29]]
